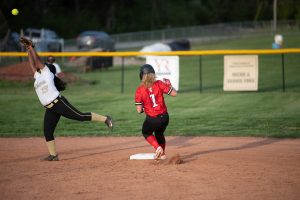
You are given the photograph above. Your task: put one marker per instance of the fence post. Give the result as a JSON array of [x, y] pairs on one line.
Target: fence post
[[122, 76], [200, 73], [283, 75]]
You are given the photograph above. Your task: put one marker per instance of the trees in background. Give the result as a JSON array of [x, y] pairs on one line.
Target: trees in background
[[69, 17]]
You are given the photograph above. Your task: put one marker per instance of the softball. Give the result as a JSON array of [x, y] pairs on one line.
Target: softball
[[15, 11]]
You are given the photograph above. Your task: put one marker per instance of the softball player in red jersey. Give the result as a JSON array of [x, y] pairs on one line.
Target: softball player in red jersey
[[149, 98], [55, 104]]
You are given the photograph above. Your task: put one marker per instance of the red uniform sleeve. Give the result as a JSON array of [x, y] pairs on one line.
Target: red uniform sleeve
[[138, 97], [167, 89]]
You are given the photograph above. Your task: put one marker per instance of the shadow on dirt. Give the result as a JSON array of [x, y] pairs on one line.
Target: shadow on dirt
[[193, 156]]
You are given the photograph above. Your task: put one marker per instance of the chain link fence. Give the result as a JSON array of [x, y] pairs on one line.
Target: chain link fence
[[204, 33], [195, 34]]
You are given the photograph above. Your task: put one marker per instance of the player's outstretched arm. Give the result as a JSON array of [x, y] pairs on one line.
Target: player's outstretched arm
[[34, 60], [31, 63]]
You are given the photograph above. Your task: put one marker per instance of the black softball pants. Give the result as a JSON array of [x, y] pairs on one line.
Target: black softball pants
[[61, 108], [157, 125]]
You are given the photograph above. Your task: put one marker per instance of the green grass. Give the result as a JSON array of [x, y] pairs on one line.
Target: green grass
[[291, 40], [266, 113]]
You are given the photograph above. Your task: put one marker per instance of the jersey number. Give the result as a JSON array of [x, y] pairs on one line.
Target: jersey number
[[152, 97]]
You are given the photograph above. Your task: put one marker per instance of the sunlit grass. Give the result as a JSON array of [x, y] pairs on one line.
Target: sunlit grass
[[270, 112]]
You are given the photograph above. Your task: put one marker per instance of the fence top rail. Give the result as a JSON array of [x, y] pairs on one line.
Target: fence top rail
[[171, 53]]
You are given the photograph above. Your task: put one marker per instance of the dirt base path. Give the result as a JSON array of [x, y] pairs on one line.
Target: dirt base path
[[230, 168]]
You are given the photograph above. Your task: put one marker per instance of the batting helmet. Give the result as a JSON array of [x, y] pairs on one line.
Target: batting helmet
[[146, 69]]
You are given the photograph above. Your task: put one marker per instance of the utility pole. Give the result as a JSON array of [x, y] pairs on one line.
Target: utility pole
[[274, 16]]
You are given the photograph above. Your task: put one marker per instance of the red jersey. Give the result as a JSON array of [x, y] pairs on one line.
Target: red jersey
[[152, 99]]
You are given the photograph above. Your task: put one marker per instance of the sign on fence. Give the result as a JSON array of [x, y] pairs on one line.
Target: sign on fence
[[240, 73], [165, 67]]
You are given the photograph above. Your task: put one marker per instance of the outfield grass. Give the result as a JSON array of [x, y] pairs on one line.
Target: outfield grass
[[267, 113]]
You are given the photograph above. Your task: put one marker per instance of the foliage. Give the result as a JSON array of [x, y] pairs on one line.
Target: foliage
[[69, 18]]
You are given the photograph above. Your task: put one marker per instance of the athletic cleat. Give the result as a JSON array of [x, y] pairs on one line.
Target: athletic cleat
[[109, 122], [50, 158], [158, 153], [163, 156]]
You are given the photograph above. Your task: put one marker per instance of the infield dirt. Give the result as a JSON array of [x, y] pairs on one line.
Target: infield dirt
[[232, 168]]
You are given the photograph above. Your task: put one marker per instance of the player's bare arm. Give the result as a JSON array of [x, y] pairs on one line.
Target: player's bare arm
[[173, 93], [34, 60], [139, 109], [31, 63]]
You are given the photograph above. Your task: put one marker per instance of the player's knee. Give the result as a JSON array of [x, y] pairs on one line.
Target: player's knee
[[82, 117], [146, 134], [48, 136], [160, 139]]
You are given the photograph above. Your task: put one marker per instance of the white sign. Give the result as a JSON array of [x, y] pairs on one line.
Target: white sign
[[166, 67], [240, 73]]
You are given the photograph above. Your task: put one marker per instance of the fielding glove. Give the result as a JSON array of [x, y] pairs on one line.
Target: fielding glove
[[27, 43]]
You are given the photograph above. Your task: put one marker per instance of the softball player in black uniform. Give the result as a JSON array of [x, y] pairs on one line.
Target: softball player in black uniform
[[56, 105]]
